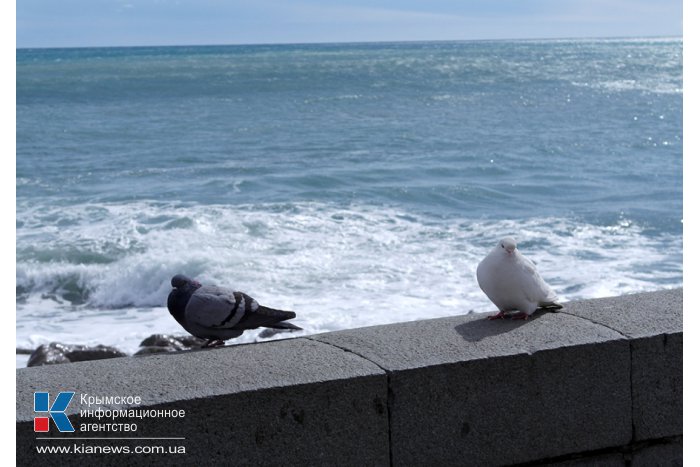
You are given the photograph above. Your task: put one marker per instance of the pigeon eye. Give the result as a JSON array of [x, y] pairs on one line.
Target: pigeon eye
[[502, 245]]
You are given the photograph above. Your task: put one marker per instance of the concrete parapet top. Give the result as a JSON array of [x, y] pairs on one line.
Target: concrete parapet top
[[446, 340], [419, 344], [599, 376], [635, 315]]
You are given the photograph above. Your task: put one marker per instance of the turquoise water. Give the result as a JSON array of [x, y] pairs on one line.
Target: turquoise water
[[357, 184]]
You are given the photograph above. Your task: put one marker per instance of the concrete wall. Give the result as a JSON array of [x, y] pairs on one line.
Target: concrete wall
[[599, 383]]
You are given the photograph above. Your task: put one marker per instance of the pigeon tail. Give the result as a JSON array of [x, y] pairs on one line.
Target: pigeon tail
[[551, 306], [280, 315], [285, 325]]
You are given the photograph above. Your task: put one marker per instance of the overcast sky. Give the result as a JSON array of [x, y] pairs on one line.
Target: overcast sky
[[66, 23]]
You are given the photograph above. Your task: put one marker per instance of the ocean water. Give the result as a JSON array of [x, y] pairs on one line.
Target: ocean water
[[356, 184]]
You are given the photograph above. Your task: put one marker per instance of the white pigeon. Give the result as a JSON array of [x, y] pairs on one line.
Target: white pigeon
[[512, 283]]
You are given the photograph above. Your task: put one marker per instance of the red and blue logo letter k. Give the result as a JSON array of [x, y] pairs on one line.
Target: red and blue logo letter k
[[57, 412]]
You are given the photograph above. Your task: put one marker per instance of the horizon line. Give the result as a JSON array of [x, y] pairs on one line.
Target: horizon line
[[401, 41]]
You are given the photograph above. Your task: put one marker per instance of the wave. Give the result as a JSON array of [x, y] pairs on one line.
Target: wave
[[125, 256], [338, 267]]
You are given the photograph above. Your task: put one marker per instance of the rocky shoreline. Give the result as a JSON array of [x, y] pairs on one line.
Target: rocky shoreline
[[57, 352]]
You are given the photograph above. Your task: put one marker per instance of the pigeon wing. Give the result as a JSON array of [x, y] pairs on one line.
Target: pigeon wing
[[267, 317], [217, 307], [535, 288]]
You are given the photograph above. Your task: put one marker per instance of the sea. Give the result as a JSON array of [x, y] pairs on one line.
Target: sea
[[357, 184]]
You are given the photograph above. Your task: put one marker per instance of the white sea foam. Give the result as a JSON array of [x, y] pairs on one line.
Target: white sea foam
[[655, 85], [337, 267]]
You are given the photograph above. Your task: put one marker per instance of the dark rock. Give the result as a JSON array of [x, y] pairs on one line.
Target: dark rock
[[190, 341], [55, 352], [162, 340], [167, 343], [81, 353], [48, 354]]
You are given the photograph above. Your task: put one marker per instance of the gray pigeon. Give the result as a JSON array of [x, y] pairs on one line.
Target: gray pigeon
[[218, 314], [511, 282]]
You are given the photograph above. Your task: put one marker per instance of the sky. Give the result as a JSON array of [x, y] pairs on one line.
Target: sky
[[95, 23]]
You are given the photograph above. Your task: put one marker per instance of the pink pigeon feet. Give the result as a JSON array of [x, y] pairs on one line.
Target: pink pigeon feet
[[500, 315]]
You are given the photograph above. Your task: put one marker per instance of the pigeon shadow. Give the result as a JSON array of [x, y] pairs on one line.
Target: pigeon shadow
[[478, 329]]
